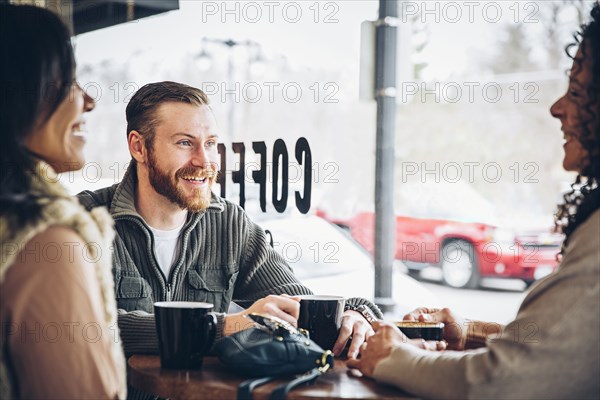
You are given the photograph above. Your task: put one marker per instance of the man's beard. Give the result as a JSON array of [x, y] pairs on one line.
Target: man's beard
[[167, 185]]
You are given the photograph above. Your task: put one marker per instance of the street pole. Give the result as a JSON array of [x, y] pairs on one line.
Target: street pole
[[230, 81], [385, 94], [231, 88]]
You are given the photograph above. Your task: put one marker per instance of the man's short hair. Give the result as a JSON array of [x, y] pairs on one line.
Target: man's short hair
[[141, 110]]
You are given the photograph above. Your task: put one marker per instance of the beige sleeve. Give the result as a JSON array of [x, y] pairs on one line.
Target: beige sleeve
[[58, 345], [430, 374], [549, 351]]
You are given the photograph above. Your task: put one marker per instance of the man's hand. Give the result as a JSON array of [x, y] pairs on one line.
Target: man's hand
[[355, 325], [284, 307], [380, 345], [455, 327]]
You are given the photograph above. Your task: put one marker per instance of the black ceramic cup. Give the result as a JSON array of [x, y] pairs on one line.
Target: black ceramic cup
[[186, 332], [322, 316]]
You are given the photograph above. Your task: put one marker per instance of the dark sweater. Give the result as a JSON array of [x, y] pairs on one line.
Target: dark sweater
[[223, 256]]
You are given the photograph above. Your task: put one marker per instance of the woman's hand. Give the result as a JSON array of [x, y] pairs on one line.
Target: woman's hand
[[460, 333], [455, 327], [386, 338]]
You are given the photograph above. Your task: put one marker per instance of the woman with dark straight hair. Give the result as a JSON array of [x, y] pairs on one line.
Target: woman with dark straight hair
[[552, 348], [59, 337]]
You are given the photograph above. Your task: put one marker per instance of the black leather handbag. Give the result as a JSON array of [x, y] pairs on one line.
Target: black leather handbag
[[270, 350]]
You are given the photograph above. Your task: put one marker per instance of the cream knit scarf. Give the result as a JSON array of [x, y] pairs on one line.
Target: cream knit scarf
[[58, 208]]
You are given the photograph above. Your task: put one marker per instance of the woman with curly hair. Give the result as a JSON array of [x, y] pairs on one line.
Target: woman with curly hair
[[578, 112], [552, 348], [58, 336]]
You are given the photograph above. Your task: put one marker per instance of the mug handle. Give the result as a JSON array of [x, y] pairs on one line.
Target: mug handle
[[210, 320]]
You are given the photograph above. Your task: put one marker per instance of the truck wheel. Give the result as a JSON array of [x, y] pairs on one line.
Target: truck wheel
[[528, 283], [459, 265]]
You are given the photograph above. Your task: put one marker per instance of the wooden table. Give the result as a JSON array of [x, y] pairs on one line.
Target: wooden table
[[214, 381]]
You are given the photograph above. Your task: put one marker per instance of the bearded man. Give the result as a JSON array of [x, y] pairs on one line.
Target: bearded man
[[177, 241]]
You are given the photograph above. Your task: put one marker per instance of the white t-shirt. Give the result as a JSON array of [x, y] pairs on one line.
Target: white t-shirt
[[165, 247]]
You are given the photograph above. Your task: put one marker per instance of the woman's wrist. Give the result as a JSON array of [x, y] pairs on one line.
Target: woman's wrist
[[478, 333]]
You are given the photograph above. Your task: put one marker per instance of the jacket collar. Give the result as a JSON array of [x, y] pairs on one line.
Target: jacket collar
[[44, 182], [123, 202]]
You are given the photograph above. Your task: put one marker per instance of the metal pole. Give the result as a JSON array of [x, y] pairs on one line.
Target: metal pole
[[231, 105], [232, 87], [385, 94]]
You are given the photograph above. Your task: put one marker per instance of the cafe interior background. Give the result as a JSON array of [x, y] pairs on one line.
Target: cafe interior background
[[475, 81]]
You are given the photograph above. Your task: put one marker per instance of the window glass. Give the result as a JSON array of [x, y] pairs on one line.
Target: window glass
[[477, 173]]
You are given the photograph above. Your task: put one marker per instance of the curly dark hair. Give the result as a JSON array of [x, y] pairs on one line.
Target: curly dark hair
[[584, 197]]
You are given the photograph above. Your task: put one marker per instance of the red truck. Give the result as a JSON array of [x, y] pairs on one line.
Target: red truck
[[440, 232], [465, 251]]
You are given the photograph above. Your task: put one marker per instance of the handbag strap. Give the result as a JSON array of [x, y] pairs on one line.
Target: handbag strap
[[281, 391], [245, 388]]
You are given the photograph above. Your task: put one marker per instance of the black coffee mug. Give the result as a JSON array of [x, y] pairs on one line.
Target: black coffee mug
[[322, 317], [186, 332]]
